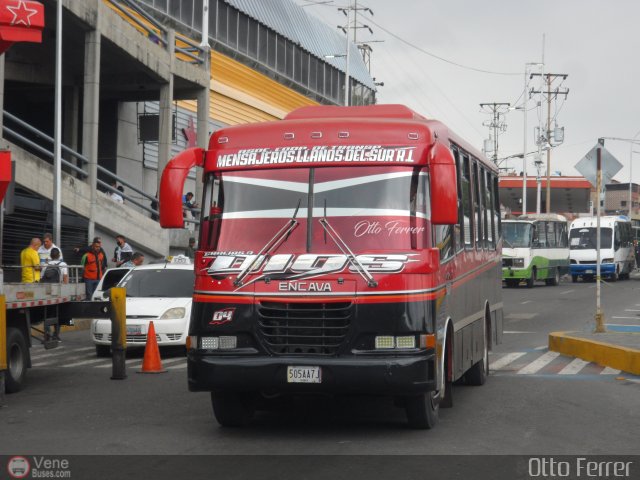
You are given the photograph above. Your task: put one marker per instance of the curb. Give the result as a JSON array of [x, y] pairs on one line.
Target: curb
[[609, 355]]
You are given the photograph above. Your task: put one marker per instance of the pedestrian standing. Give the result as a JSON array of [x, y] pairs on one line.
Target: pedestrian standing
[[94, 263], [190, 251], [45, 249], [123, 251], [56, 270], [30, 262]]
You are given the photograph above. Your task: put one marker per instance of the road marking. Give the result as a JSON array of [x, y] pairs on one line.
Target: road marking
[[58, 360], [574, 367], [520, 316], [515, 331], [177, 367], [173, 360], [630, 310], [85, 362], [506, 360], [539, 364], [627, 318], [568, 291], [541, 347], [525, 302], [58, 351], [609, 371]]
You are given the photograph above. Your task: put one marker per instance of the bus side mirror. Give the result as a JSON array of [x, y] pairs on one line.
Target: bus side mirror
[[172, 184], [444, 194]]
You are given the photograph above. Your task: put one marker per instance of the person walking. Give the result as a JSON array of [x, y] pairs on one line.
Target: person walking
[[30, 262], [94, 263], [123, 251]]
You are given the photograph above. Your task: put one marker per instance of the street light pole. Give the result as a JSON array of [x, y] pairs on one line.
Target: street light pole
[[346, 70]]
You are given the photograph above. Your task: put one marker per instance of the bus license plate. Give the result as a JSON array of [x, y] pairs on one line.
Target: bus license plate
[[304, 375]]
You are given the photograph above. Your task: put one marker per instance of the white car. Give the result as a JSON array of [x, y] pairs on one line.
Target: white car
[[159, 292]]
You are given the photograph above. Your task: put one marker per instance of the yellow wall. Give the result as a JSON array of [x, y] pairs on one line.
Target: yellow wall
[[239, 94]]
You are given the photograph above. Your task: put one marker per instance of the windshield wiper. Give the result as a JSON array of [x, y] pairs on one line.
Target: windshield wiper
[[344, 248], [278, 238]]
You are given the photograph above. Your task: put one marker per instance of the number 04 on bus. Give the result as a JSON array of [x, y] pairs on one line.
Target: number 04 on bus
[[343, 250]]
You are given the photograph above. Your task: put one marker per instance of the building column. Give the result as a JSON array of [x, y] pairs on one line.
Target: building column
[[202, 128], [91, 117], [166, 112]]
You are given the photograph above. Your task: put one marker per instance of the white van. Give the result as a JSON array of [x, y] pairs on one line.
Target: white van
[[617, 257]]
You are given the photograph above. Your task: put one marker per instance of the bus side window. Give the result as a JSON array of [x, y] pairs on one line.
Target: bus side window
[[496, 209], [616, 236], [458, 227], [477, 206], [443, 239], [467, 212]]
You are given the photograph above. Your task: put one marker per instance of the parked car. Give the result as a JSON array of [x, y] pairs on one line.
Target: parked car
[[159, 292], [111, 278]]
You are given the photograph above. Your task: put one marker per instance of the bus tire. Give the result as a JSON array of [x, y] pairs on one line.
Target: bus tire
[[512, 283], [532, 279], [233, 409], [422, 411], [555, 280], [615, 275], [17, 360], [479, 371]]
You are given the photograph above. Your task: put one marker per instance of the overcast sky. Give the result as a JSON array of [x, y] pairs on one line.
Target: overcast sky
[[595, 42]]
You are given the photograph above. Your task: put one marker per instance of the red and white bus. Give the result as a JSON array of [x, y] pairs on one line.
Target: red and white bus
[[342, 250]]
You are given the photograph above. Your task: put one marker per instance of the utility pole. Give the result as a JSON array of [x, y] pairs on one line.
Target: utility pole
[[496, 110], [347, 11], [550, 78]]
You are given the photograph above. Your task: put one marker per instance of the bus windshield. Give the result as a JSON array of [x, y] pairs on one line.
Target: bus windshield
[[517, 235], [585, 238], [371, 208]]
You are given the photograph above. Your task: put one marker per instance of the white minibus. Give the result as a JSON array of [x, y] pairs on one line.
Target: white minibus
[[617, 257]]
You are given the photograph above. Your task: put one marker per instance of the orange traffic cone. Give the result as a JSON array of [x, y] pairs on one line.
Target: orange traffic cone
[[151, 362]]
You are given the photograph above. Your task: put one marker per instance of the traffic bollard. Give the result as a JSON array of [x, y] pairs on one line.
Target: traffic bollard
[[118, 332]]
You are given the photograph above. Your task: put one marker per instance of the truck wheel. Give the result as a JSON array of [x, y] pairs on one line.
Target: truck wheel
[[233, 409], [103, 351], [18, 358], [422, 411]]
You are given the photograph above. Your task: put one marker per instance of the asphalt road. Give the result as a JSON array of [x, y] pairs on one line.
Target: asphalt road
[[534, 402]]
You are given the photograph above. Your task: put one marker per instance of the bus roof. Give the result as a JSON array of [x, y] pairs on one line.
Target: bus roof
[[543, 217], [604, 220], [333, 136]]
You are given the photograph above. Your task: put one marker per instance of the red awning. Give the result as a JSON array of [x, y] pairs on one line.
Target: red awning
[[20, 21]]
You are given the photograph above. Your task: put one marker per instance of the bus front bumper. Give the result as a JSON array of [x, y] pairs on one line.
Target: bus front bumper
[[590, 269], [375, 374], [516, 273]]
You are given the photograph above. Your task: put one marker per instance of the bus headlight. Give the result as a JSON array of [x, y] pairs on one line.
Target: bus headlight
[[518, 262]]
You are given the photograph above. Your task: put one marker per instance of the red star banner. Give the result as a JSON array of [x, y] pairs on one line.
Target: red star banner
[[20, 21]]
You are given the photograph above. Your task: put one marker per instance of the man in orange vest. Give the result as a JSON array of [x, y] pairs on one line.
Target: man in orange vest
[[95, 263]]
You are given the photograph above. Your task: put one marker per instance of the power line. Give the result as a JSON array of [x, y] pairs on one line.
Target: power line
[[451, 62]]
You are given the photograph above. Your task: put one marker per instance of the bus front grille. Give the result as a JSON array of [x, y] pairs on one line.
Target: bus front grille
[[304, 328]]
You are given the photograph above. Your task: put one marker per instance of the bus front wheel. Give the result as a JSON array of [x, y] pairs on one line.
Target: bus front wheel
[[532, 279], [422, 411]]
